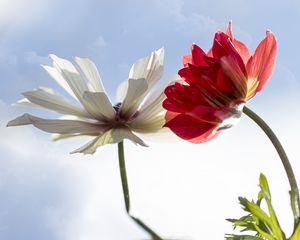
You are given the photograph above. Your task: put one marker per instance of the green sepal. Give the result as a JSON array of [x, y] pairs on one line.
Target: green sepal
[[264, 224]]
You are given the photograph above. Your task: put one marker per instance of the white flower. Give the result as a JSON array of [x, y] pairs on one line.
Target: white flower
[[136, 112]]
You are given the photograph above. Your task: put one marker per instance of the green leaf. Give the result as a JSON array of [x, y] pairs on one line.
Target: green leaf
[[264, 234], [245, 222], [263, 183], [266, 193], [278, 233], [256, 211], [296, 234], [243, 237], [264, 223]]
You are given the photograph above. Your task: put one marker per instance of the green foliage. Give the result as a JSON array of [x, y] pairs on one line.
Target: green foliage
[[243, 237], [263, 223], [296, 235]]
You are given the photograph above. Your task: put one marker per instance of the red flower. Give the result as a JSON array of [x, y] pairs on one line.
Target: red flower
[[216, 86]]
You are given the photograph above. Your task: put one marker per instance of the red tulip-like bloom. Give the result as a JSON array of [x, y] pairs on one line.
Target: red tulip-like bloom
[[216, 85]]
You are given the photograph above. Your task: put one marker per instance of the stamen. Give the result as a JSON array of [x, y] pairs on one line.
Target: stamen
[[117, 106]]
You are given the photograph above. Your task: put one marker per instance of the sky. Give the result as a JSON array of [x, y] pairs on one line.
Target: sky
[[181, 190]]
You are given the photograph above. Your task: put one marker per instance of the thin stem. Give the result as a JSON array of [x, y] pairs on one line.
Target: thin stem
[[284, 159], [126, 193]]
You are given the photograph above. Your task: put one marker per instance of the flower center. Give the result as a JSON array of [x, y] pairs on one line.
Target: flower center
[[117, 107]]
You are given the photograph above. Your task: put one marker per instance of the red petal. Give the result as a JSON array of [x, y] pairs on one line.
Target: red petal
[[181, 98], [232, 77], [241, 47], [189, 128], [261, 65], [170, 115], [243, 50], [199, 125], [223, 83], [176, 106], [169, 105], [210, 135], [209, 53], [194, 74], [198, 56], [222, 45], [186, 60], [236, 79], [187, 75], [229, 30], [206, 114]]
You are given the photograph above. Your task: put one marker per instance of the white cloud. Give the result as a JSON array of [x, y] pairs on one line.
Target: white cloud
[[199, 23], [288, 79], [190, 23], [33, 58], [16, 15], [99, 42], [196, 24], [7, 60], [124, 67]]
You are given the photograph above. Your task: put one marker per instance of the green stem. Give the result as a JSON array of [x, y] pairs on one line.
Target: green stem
[[126, 193], [284, 159]]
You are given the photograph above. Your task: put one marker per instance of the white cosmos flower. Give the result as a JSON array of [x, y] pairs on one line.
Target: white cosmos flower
[[136, 112]]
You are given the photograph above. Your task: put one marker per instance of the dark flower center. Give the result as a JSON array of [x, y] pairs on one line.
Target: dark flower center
[[117, 107]]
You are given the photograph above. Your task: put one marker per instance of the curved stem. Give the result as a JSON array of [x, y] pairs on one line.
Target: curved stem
[[284, 159], [126, 193]]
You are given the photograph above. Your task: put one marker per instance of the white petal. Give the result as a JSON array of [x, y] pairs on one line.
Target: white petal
[[56, 136], [91, 146], [157, 68], [52, 101], [163, 135], [134, 96], [150, 124], [157, 95], [151, 108], [89, 70], [139, 68], [152, 112], [57, 126], [109, 137], [122, 91], [25, 102], [99, 105], [150, 69], [76, 83], [71, 76], [59, 79], [120, 134]]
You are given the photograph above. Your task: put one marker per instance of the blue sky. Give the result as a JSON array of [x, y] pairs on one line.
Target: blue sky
[[48, 194]]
